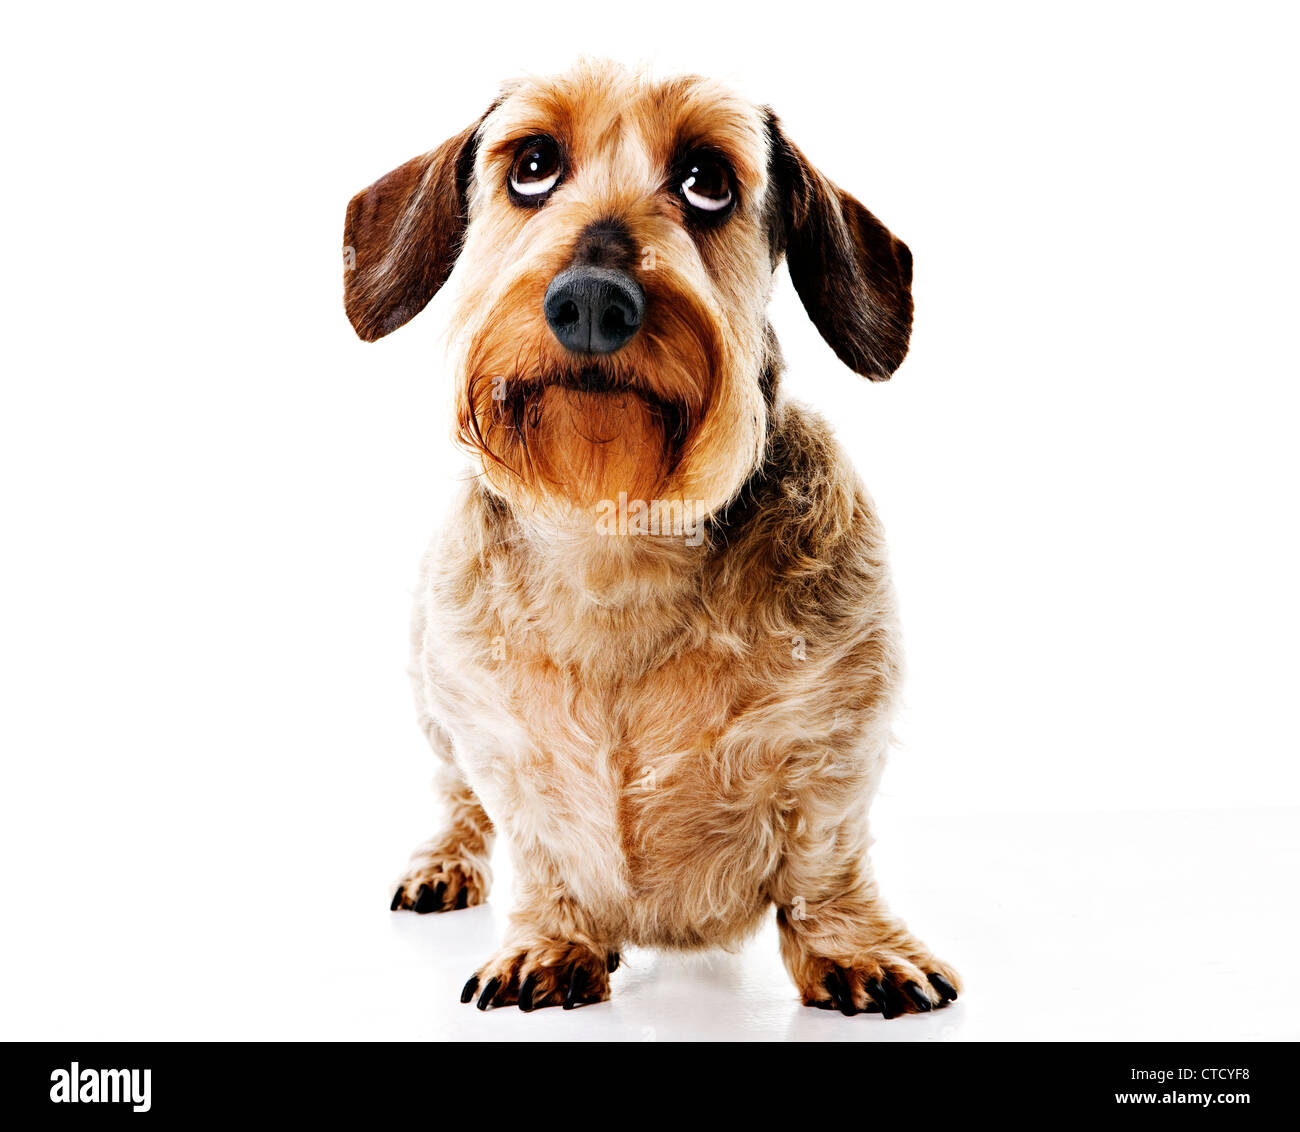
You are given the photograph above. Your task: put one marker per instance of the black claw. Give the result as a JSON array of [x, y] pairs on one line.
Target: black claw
[[919, 998], [876, 992], [947, 992], [848, 1007], [612, 961], [493, 985], [470, 988], [462, 897], [823, 1004], [571, 999], [425, 901], [831, 989], [837, 987], [507, 988], [440, 892], [894, 1004], [397, 899], [526, 993]]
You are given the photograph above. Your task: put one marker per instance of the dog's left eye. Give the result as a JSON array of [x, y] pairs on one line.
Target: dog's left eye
[[707, 184], [536, 170]]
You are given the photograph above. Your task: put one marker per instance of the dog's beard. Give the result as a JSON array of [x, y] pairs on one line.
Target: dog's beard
[[578, 437], [558, 433]]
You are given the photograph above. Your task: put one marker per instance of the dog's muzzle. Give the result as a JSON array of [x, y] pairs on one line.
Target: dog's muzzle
[[594, 310]]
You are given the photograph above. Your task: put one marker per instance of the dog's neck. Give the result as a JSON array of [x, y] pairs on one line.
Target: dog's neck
[[596, 603], [611, 569]]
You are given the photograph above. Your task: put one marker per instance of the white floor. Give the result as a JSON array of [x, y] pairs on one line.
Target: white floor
[[1146, 927]]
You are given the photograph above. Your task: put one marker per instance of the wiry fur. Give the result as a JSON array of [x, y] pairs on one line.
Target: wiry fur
[[670, 737]]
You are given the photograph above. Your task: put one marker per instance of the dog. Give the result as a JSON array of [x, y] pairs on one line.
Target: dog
[[656, 647]]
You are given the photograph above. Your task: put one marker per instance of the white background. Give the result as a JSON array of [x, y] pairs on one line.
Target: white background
[[215, 498]]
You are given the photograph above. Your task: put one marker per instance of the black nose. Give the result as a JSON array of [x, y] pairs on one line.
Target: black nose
[[594, 310]]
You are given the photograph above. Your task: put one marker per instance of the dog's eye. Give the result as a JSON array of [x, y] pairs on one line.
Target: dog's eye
[[536, 170], [707, 184]]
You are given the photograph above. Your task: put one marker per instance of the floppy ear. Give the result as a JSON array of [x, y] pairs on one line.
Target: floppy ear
[[853, 276], [402, 236]]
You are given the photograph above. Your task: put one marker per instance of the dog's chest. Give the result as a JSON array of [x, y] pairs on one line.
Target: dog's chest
[[619, 771]]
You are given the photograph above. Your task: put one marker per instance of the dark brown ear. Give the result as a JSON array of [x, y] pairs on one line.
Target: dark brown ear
[[402, 236], [853, 276]]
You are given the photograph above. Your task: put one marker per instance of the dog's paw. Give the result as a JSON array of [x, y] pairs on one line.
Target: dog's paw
[[549, 973], [885, 984], [440, 883]]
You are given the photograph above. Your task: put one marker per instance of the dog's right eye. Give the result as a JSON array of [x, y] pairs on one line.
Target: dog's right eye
[[536, 171]]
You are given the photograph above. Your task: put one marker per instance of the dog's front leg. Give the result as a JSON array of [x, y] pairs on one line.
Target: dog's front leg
[[454, 868], [555, 953], [843, 948]]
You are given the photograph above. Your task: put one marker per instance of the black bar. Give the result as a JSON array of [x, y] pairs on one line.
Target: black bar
[[333, 1081]]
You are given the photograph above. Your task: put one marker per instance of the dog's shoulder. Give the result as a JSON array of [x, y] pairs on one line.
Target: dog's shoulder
[[476, 534], [805, 503], [803, 529]]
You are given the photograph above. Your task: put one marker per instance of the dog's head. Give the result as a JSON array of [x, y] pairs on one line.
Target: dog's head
[[615, 240]]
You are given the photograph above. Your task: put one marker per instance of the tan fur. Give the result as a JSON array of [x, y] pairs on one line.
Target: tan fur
[[670, 737]]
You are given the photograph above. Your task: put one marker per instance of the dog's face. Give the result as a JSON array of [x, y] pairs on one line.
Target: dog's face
[[615, 240]]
